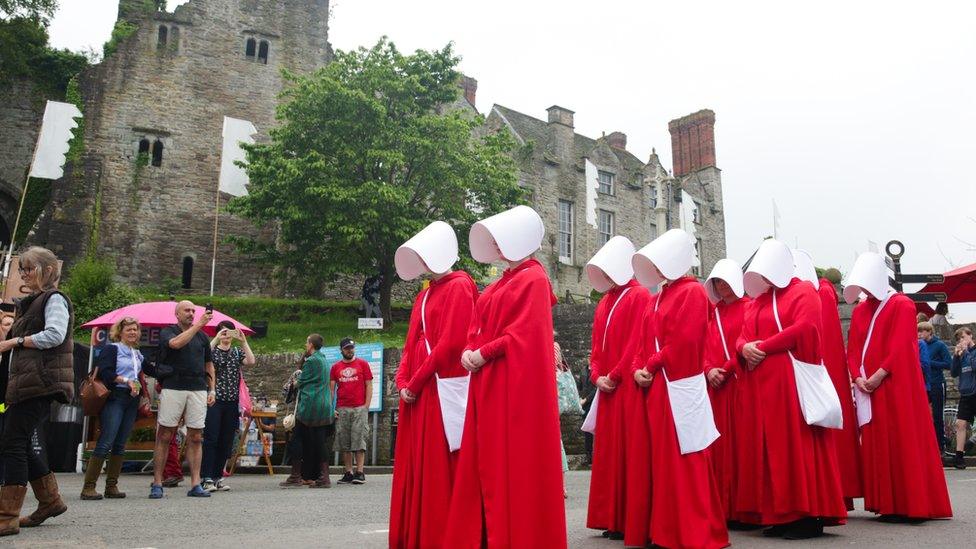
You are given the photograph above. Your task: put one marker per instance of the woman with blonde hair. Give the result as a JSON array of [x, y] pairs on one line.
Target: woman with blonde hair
[[40, 372], [119, 366]]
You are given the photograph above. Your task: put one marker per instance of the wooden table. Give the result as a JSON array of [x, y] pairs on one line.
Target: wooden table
[[255, 418]]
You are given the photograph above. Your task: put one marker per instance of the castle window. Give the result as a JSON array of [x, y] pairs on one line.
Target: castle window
[[605, 185], [174, 35], [696, 215], [566, 231], [157, 153], [161, 39], [187, 272], [250, 49], [144, 146], [263, 52], [653, 200], [697, 270], [605, 224]]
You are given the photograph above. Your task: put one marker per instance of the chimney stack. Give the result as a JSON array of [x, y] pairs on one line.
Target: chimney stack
[[470, 87], [692, 142], [561, 130], [559, 115], [618, 140]]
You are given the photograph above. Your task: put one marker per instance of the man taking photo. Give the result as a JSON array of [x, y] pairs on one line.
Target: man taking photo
[[187, 392], [351, 381]]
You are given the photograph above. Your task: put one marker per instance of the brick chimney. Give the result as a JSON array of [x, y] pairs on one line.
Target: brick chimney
[[618, 140], [561, 130], [470, 88], [692, 142]]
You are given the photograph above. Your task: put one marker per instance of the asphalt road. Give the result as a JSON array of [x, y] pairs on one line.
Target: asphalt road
[[256, 513]]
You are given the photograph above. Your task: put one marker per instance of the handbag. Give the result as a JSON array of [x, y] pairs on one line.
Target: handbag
[[862, 400], [569, 397], [94, 393], [289, 421], [818, 397]]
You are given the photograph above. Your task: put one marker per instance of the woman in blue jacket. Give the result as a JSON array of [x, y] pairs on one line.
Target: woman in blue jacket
[[119, 366]]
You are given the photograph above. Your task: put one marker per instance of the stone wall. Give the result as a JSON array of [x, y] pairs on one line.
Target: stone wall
[[175, 94], [21, 113]]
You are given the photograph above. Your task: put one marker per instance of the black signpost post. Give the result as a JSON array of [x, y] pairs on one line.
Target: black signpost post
[[895, 250]]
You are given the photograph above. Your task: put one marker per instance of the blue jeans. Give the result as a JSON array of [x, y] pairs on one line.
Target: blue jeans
[[116, 420], [223, 419]]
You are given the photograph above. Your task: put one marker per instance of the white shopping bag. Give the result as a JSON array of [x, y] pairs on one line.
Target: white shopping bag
[[589, 422], [818, 397], [692, 413], [861, 399], [453, 395]]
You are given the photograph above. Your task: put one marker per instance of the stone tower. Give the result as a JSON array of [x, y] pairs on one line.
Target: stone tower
[[145, 192]]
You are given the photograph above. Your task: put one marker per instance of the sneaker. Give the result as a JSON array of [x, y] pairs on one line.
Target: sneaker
[[346, 478], [220, 486], [198, 492], [359, 478], [959, 462], [208, 485], [155, 491]]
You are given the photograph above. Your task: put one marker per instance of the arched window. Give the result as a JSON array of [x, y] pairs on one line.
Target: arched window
[[174, 35], [250, 48], [187, 272], [144, 146], [157, 153], [161, 40], [263, 52]]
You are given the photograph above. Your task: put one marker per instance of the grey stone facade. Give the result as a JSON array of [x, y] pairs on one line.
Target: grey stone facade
[[20, 112], [562, 172], [170, 84]]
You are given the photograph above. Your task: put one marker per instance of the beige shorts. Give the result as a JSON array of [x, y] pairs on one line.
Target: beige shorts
[[174, 404], [352, 428]]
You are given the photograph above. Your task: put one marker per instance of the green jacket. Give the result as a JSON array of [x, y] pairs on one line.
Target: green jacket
[[315, 406]]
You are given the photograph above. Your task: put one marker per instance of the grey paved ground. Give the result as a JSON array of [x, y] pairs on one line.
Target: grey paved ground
[[256, 514]]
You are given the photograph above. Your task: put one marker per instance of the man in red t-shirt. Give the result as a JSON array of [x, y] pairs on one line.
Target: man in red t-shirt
[[351, 383]]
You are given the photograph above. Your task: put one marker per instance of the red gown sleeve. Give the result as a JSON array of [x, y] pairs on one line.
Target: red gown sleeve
[[404, 371], [596, 343], [529, 290], [855, 341], [748, 332], [682, 330], [631, 345], [457, 306], [805, 312], [903, 342]]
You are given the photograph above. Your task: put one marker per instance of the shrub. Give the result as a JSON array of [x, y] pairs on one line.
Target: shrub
[[833, 275], [93, 292]]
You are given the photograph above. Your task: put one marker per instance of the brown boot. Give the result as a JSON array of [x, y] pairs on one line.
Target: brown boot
[[294, 480], [112, 477], [49, 503], [11, 500], [89, 491], [323, 480]]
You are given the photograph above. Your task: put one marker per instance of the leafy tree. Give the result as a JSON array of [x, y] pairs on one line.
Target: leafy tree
[[34, 9], [26, 54], [367, 153]]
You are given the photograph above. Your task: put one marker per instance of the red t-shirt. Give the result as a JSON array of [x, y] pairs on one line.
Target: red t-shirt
[[351, 379]]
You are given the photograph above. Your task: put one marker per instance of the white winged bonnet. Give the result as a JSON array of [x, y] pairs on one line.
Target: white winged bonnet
[[611, 264], [518, 233], [673, 253], [729, 271], [869, 275], [773, 262], [434, 249], [803, 266]]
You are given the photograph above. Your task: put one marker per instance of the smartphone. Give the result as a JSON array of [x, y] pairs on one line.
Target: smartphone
[[209, 307], [236, 334]]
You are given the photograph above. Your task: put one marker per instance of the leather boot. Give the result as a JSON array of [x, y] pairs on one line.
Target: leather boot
[[89, 491], [112, 477], [11, 500], [294, 480], [49, 503], [323, 480]]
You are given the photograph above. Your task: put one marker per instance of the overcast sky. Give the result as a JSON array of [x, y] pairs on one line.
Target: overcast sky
[[858, 118]]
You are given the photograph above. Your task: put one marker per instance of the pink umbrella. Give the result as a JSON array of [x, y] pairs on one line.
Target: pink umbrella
[[158, 314]]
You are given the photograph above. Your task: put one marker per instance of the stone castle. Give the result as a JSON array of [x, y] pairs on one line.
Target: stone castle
[[145, 189]]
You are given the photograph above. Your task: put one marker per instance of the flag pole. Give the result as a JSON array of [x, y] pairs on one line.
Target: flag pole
[[213, 262], [20, 209]]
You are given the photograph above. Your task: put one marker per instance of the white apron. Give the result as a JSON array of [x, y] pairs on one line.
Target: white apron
[[862, 400], [589, 422], [690, 407], [452, 392], [818, 397]]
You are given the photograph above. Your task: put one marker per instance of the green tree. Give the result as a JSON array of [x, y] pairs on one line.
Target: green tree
[[367, 153], [34, 9]]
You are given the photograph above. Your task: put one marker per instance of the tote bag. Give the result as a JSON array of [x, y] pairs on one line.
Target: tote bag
[[818, 397], [452, 394]]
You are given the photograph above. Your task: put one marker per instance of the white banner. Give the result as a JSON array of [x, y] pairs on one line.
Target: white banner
[[233, 178], [52, 142]]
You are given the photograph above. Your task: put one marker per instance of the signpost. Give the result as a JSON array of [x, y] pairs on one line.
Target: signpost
[[895, 250]]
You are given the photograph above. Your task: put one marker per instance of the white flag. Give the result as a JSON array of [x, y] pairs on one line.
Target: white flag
[[776, 227], [233, 178], [592, 176], [52, 143]]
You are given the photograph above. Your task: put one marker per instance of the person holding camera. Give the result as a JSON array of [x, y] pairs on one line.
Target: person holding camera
[[119, 367], [185, 364], [964, 368], [223, 417]]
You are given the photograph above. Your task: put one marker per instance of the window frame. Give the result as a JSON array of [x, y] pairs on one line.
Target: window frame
[[602, 237], [600, 183], [565, 229]]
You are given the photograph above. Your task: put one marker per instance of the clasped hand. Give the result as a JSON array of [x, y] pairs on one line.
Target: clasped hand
[[716, 377], [472, 360], [605, 384], [407, 396], [752, 354], [643, 377]]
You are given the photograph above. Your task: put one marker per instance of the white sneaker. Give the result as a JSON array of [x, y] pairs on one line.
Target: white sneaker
[[220, 486], [208, 485]]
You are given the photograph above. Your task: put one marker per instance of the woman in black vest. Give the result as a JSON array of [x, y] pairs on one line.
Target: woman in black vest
[[40, 372]]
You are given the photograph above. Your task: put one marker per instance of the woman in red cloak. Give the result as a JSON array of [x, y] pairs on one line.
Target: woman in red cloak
[[508, 490], [900, 463], [423, 470], [724, 289], [686, 510], [846, 440], [786, 470], [621, 309]]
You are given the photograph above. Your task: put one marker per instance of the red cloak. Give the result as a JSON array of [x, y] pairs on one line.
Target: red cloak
[[785, 469], [686, 509], [508, 490], [612, 354], [423, 470], [900, 460], [835, 359], [723, 398]]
